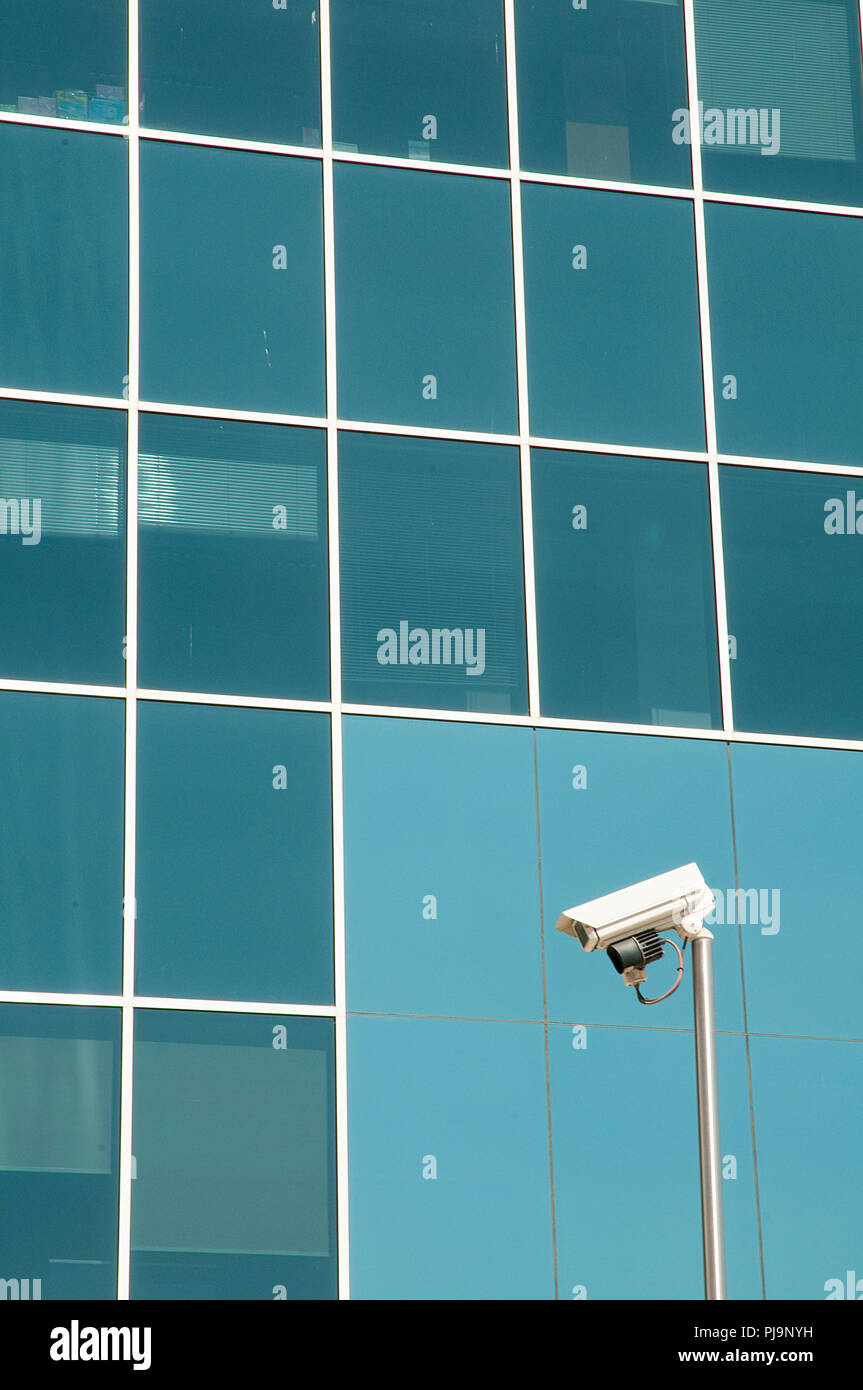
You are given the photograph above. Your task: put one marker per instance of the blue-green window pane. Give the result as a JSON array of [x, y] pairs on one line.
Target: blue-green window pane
[[449, 1164], [232, 287], [420, 79], [233, 586], [779, 88], [444, 814], [598, 88], [59, 1146], [61, 843], [625, 602], [63, 277], [431, 574], [614, 349], [234, 854], [64, 61], [230, 68], [794, 583], [234, 1143], [786, 300], [615, 809], [62, 542], [426, 327]]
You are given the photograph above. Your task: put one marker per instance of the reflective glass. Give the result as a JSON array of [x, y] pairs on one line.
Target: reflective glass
[[793, 546], [59, 1157], [230, 68], [449, 1166], [62, 543], [64, 61], [420, 79], [63, 261], [426, 327], [780, 112], [625, 604], [234, 854], [233, 588], [598, 89], [444, 816], [786, 301], [431, 574], [234, 1143], [61, 843], [232, 288], [613, 338]]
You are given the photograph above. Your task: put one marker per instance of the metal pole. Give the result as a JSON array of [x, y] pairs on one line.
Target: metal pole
[[708, 1117]]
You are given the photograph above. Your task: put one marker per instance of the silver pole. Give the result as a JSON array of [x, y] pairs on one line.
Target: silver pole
[[708, 1117]]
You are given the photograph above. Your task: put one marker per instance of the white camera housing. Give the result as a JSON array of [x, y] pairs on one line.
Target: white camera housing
[[678, 900]]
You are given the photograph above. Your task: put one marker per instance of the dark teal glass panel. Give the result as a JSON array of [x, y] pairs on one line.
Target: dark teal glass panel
[[810, 1152], [61, 843], [420, 79], [232, 287], [779, 83], [64, 61], [786, 301], [613, 340], [63, 276], [234, 1139], [426, 325], [233, 586], [62, 543], [449, 1163], [625, 602], [230, 68], [794, 586], [625, 1099], [797, 816], [444, 816], [59, 1150], [615, 809], [234, 854], [431, 574], [598, 87]]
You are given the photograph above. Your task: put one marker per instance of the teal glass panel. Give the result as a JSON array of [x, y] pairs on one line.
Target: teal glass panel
[[234, 854], [66, 62], [59, 1156], [62, 543], [431, 574], [598, 89], [424, 289], [232, 288], [234, 1143], [626, 613], [233, 588], [449, 1163], [613, 339]]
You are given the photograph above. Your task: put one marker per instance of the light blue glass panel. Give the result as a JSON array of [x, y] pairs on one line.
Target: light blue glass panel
[[426, 326], [234, 854], [449, 1163], [234, 1143], [613, 342], [59, 1150], [231, 286], [61, 843], [63, 261], [797, 817], [786, 300], [598, 89], [615, 809], [626, 610], [64, 61], [810, 1152], [794, 583], [626, 1175], [441, 869]]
